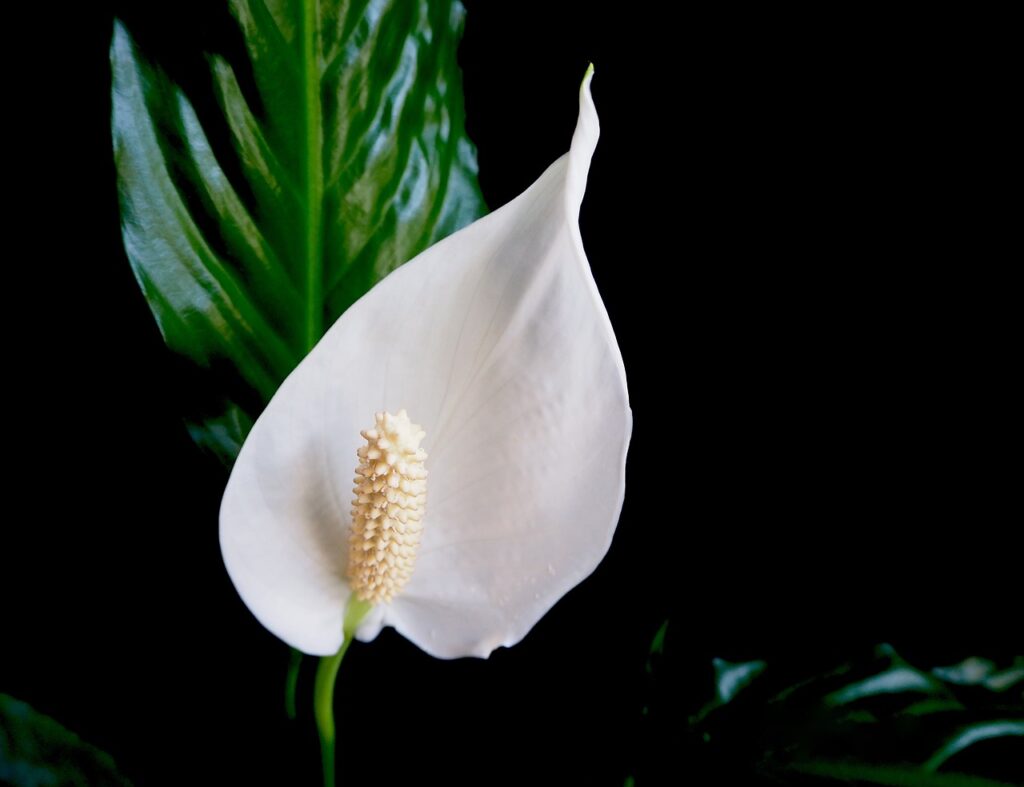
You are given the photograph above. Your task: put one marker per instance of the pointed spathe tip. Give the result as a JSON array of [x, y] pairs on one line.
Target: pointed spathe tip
[[587, 126], [586, 100], [587, 77]]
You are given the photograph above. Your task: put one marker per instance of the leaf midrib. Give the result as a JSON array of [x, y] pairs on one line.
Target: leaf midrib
[[314, 179]]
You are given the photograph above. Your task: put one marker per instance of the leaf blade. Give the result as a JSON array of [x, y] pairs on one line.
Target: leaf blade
[[37, 750], [348, 158]]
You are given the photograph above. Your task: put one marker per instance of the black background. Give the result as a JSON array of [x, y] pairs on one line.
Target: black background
[[797, 225]]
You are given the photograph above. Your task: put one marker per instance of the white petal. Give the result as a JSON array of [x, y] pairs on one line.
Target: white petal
[[280, 520], [496, 341], [527, 455]]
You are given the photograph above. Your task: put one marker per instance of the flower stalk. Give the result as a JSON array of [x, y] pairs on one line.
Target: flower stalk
[[323, 688], [291, 683]]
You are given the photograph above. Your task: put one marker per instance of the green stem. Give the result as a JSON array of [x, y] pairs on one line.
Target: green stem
[[314, 174], [291, 683], [323, 707], [323, 688]]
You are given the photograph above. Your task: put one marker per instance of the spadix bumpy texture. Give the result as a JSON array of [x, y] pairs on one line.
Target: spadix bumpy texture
[[496, 340], [387, 512]]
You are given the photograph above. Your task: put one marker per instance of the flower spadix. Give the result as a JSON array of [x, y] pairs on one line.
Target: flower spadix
[[387, 513], [495, 343]]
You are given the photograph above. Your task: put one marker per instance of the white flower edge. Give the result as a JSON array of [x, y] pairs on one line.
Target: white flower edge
[[497, 342]]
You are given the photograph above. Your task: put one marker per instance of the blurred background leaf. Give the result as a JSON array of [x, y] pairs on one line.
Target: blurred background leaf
[[338, 152], [36, 751], [874, 718]]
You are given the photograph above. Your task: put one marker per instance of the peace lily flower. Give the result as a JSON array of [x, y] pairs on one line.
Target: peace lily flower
[[479, 395]]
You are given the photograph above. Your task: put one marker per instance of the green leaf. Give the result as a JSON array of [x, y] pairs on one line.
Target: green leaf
[[895, 680], [348, 156], [972, 734], [874, 719], [36, 751], [891, 775], [731, 679], [657, 647], [982, 672]]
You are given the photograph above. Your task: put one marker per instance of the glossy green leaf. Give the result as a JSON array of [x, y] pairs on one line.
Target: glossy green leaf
[[895, 680], [982, 672], [36, 751], [972, 734], [931, 705], [874, 719], [840, 772], [731, 679], [347, 156]]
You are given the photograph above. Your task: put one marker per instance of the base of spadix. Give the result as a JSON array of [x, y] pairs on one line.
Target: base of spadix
[[387, 511]]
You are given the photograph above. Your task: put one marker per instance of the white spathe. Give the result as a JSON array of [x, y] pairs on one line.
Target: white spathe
[[496, 341]]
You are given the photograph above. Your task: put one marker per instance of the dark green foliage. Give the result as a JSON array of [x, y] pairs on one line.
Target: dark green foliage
[[875, 719], [36, 751], [347, 157]]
